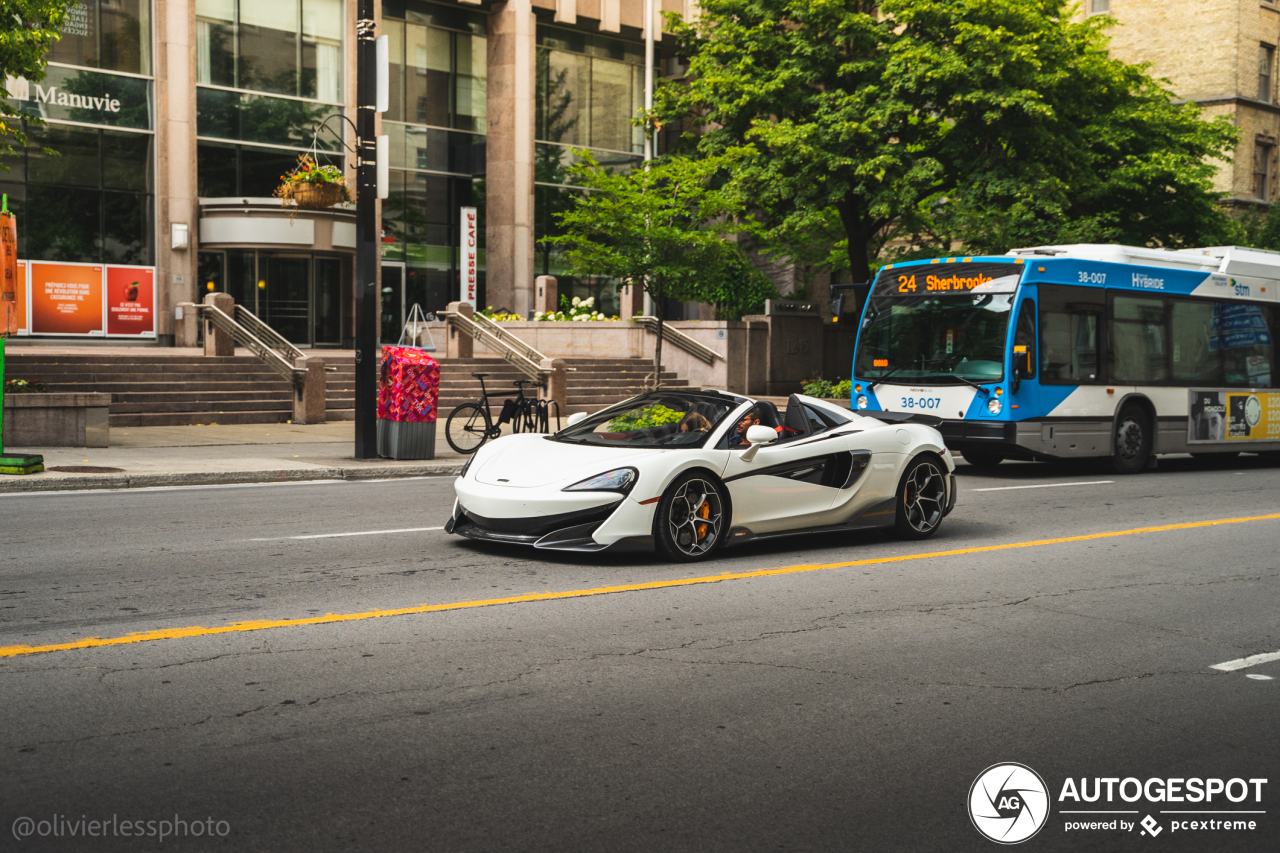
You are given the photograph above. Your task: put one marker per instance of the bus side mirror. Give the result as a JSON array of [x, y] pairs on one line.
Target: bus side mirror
[[1021, 366]]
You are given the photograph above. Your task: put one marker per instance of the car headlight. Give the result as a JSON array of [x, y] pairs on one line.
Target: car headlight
[[466, 465], [862, 401], [993, 405], [618, 480]]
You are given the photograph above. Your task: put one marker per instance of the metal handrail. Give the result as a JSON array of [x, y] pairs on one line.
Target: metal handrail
[[680, 339], [511, 349], [495, 328], [277, 341], [254, 344]]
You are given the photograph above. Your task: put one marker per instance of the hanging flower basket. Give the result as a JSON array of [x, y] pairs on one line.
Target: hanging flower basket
[[312, 187]]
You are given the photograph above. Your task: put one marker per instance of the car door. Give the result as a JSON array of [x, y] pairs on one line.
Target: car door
[[790, 484]]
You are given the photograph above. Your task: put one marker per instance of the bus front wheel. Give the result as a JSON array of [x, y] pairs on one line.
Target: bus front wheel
[[982, 459], [1132, 441]]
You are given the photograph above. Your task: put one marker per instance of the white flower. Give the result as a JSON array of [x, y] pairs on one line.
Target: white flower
[[588, 302], [538, 316], [576, 302]]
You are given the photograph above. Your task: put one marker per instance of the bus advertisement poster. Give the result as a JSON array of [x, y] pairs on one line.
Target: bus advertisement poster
[[1234, 416]]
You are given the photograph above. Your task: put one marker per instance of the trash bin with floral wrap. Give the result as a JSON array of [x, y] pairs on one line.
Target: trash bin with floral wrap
[[408, 396]]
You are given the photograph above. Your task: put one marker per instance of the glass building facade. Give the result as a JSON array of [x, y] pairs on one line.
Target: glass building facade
[[589, 89], [436, 129], [267, 75], [94, 200]]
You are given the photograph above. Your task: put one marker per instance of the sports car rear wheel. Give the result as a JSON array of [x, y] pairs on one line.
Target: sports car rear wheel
[[691, 520], [922, 499]]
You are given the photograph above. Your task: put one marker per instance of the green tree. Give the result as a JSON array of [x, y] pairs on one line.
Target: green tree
[[661, 226], [28, 28], [986, 121]]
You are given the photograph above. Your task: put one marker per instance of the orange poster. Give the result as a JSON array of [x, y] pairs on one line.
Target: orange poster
[[131, 299], [66, 299]]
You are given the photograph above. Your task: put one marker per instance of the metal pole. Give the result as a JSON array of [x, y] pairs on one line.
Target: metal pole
[[366, 281], [648, 77], [648, 109]]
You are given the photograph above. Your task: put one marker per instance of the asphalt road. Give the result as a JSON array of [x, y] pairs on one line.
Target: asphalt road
[[841, 708]]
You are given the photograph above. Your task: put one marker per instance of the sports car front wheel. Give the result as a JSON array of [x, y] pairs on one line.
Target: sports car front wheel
[[922, 499], [691, 521]]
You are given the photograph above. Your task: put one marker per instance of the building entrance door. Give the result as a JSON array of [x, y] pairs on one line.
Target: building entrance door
[[393, 307], [284, 301]]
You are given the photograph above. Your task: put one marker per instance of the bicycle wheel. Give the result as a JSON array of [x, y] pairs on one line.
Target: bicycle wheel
[[522, 420], [467, 428]]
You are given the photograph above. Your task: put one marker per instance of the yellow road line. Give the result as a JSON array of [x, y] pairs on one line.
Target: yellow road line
[[332, 618]]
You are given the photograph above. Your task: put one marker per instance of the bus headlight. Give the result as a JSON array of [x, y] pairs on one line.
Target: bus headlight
[[993, 406], [862, 401]]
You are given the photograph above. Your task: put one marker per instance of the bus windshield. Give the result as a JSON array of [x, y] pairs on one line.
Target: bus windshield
[[928, 337]]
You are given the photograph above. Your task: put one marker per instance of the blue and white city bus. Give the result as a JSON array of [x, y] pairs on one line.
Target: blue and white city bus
[[1075, 351]]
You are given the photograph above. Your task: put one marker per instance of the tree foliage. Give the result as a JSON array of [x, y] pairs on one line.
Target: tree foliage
[[28, 28], [662, 227], [987, 122]]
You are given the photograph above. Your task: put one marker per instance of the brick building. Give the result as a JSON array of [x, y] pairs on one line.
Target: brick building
[[1222, 55]]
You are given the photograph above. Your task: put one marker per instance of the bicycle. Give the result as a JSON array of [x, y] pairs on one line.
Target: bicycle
[[470, 425]]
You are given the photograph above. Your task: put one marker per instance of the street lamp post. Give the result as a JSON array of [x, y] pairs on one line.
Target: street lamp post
[[366, 281]]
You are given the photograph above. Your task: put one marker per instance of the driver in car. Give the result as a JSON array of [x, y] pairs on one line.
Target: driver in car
[[750, 419]]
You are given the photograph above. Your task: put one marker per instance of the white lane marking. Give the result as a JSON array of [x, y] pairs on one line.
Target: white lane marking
[[1241, 663], [1042, 486], [1255, 676], [336, 535]]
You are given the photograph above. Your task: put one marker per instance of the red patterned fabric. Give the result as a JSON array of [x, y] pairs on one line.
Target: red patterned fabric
[[409, 389]]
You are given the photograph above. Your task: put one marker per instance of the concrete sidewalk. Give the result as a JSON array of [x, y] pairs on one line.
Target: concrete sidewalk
[[212, 454]]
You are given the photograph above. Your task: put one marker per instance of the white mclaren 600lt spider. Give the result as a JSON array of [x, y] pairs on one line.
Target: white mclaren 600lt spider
[[686, 472]]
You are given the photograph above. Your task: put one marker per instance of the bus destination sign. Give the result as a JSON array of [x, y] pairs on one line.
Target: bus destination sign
[[947, 279]]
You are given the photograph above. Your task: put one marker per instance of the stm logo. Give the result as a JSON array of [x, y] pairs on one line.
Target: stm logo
[[1008, 803]]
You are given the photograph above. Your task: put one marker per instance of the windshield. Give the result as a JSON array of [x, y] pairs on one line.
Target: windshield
[[659, 419], [930, 338]]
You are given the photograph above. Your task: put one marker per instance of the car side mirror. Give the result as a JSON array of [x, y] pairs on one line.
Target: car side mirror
[[758, 436], [576, 417]]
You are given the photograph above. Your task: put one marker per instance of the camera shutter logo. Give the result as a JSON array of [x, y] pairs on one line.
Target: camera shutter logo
[[1008, 803]]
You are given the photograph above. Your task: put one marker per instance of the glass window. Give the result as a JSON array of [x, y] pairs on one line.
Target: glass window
[[471, 82], [659, 419], [1263, 170], [114, 35], [394, 31], [1138, 340], [322, 50], [90, 97], [563, 93], [216, 170], [1070, 350], [611, 102], [932, 338], [268, 46], [1024, 335], [1099, 7], [260, 118], [62, 223], [428, 57], [79, 157], [216, 42], [1266, 61], [1196, 356], [126, 159], [1242, 334], [126, 233]]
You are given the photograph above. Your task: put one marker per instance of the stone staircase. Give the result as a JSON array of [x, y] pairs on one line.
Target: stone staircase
[[159, 388]]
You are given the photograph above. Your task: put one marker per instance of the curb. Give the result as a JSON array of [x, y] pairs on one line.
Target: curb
[[35, 483]]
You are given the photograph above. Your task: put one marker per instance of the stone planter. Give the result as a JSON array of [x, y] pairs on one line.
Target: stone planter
[[56, 420]]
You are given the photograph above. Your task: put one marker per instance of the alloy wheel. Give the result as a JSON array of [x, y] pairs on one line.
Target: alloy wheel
[[695, 516], [925, 497]]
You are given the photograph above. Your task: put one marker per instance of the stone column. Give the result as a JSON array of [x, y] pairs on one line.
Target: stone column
[[216, 341], [631, 301], [174, 65], [509, 157], [460, 344], [557, 389], [546, 296], [309, 397], [186, 330]]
